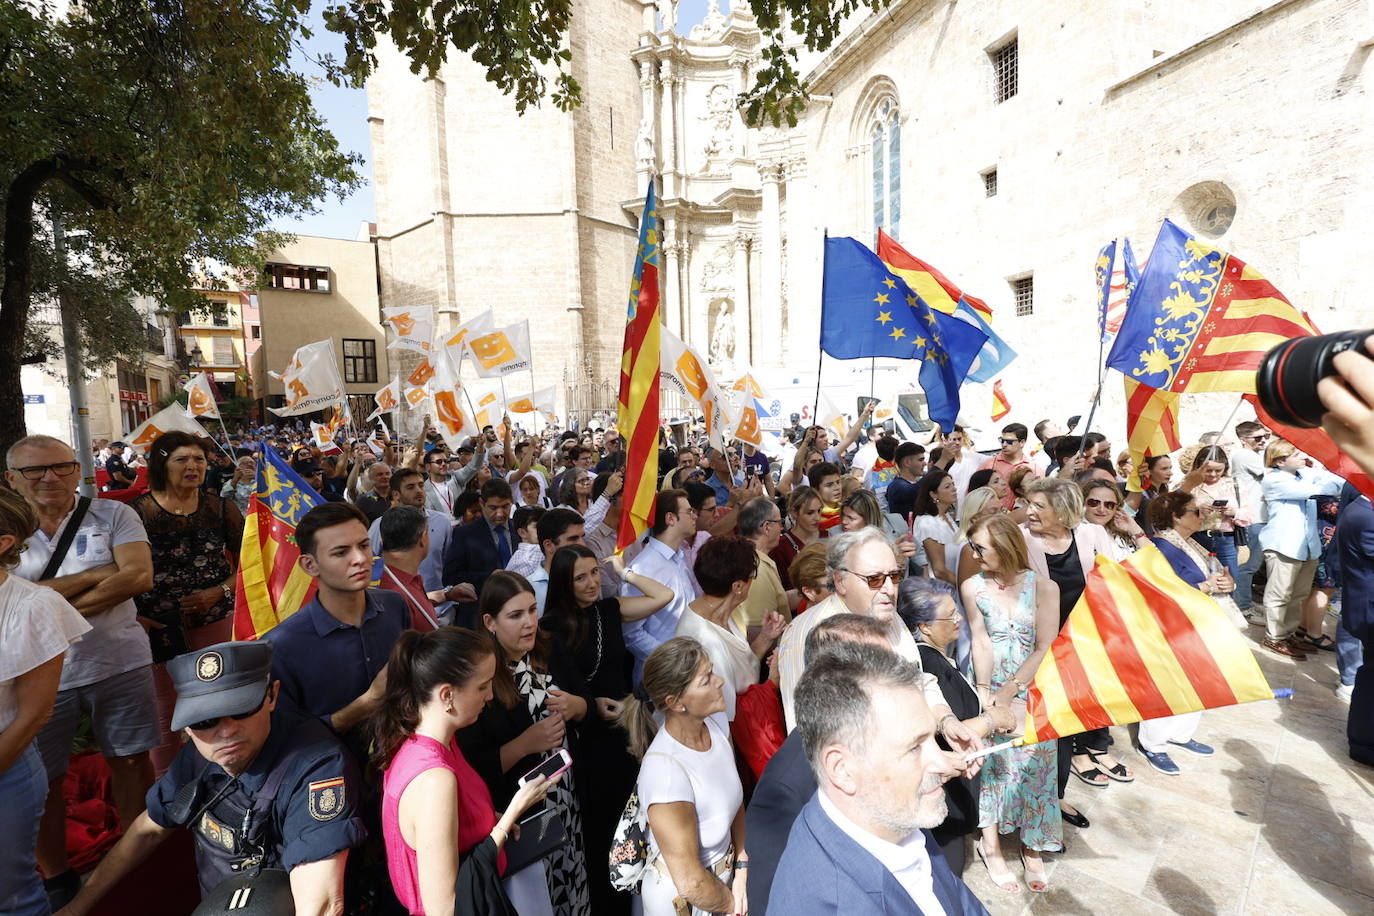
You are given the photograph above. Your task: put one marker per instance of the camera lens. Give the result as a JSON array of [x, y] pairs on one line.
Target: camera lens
[[1288, 376]]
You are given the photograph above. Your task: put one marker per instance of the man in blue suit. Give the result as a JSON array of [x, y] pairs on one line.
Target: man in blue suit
[[1355, 546], [861, 844], [479, 548]]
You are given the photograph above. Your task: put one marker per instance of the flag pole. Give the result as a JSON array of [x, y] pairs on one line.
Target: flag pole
[[993, 748], [820, 356]]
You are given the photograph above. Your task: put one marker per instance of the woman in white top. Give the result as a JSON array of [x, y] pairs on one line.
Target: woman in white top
[[36, 627], [688, 784], [725, 568], [936, 524]]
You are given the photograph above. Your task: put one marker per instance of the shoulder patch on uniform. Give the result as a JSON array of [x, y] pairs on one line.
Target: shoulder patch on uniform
[[326, 798]]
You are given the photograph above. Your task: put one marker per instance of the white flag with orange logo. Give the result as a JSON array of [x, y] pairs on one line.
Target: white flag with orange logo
[[543, 402], [411, 328], [450, 411], [830, 416], [501, 351], [388, 399], [200, 397], [456, 343], [312, 380], [171, 418], [683, 369], [323, 436]]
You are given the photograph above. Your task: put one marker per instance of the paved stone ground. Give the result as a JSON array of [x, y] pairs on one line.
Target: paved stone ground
[[1279, 820]]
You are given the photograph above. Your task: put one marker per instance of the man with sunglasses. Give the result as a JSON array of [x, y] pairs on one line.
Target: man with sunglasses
[[1247, 469], [99, 567], [864, 567], [253, 783], [1011, 457]]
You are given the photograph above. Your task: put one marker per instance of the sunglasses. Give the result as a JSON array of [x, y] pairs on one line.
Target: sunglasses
[[978, 549], [1192, 512], [1263, 437], [1108, 504], [1008, 441], [207, 724], [875, 580]]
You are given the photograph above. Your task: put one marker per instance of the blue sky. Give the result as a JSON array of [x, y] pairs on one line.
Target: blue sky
[[345, 112]]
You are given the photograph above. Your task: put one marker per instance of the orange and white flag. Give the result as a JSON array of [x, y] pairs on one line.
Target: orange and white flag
[[200, 397], [456, 343], [683, 370], [411, 328], [450, 413], [312, 380], [501, 351], [171, 418], [543, 402], [388, 399]]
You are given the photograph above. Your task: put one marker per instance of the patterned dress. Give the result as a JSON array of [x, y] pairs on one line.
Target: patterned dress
[[567, 867], [1019, 786]]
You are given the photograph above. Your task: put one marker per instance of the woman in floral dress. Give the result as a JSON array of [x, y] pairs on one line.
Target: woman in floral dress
[[1016, 622]]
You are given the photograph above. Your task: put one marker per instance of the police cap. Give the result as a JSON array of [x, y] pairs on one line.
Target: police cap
[[226, 679]]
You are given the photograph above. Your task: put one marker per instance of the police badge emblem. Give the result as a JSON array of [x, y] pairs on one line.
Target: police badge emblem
[[326, 798], [209, 666]]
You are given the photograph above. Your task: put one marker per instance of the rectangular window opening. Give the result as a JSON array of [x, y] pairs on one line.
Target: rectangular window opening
[[990, 183], [297, 277], [360, 360], [1023, 292], [1004, 71]]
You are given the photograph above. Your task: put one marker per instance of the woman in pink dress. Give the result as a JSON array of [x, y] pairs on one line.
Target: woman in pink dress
[[435, 808]]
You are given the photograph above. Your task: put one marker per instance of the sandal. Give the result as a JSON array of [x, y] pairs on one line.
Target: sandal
[[1091, 775], [1005, 881], [1037, 881], [1319, 642], [1120, 773]]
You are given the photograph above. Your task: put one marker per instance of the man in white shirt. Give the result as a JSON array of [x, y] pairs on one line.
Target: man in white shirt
[[558, 527], [664, 560], [966, 459], [860, 845], [1247, 469], [108, 673]]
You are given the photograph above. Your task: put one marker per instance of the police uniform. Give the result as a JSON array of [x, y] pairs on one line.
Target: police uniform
[[295, 803]]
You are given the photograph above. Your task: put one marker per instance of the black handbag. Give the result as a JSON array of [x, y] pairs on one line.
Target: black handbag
[[539, 835]]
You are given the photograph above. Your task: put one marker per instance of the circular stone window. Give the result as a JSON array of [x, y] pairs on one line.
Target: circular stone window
[[1208, 208]]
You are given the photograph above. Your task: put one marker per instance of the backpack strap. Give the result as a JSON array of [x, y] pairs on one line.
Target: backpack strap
[[64, 543]]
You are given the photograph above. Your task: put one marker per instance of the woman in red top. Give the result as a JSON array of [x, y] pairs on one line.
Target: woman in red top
[[435, 808], [804, 509]]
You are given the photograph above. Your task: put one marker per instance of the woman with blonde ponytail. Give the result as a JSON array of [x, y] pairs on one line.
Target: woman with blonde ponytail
[[688, 784], [435, 808]]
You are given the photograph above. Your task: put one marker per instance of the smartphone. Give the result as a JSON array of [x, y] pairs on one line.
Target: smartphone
[[549, 767], [750, 472], [1219, 503], [863, 403]]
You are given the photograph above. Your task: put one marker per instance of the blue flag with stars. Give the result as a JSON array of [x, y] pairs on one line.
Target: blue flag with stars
[[866, 311]]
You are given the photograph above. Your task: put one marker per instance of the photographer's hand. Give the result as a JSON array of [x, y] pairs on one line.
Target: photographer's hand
[[1349, 398]]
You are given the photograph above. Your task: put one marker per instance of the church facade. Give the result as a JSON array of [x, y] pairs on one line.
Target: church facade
[[1003, 143]]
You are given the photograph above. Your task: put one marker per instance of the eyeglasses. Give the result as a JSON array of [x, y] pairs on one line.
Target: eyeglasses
[[206, 724], [61, 469], [978, 549], [1008, 441], [875, 580], [942, 619], [1108, 504], [1262, 437], [1193, 511]]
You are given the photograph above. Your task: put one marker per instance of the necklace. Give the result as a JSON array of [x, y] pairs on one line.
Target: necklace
[[596, 615]]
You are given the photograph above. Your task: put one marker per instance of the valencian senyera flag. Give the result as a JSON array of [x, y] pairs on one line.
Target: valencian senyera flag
[[270, 585], [637, 415], [867, 311], [1151, 427], [1140, 644], [1200, 319]]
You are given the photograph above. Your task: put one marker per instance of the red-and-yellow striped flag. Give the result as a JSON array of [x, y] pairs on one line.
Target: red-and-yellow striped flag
[[1000, 405], [927, 282], [1140, 644], [1151, 427], [270, 585], [637, 418]]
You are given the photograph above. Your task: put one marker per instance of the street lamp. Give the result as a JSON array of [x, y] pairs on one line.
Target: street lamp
[[196, 355]]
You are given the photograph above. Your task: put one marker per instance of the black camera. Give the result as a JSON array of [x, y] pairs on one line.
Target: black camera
[[1289, 373]]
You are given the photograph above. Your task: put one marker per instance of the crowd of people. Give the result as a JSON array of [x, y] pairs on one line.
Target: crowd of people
[[769, 701]]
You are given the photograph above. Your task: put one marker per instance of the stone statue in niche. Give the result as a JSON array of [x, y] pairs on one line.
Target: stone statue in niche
[[719, 123], [718, 272], [723, 334], [667, 11], [644, 146]]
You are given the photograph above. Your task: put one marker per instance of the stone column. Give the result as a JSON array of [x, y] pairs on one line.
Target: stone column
[[769, 309], [741, 65], [679, 119], [667, 120], [671, 309], [743, 340], [649, 111], [690, 320]]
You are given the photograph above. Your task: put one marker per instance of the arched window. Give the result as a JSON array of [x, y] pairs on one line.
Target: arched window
[[885, 160]]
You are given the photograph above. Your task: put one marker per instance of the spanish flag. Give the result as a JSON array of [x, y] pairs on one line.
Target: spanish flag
[[270, 586], [1151, 427], [1000, 405], [1140, 644], [637, 417], [924, 280], [1201, 319]]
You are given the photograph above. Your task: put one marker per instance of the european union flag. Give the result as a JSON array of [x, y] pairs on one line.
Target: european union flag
[[866, 311], [996, 354]]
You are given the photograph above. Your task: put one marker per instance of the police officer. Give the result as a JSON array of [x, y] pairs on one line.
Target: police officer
[[266, 793]]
